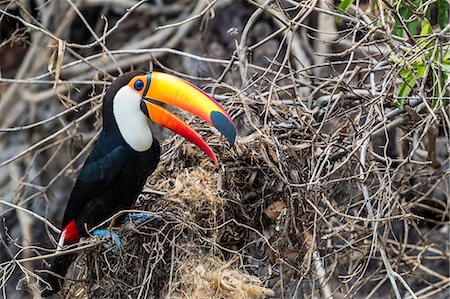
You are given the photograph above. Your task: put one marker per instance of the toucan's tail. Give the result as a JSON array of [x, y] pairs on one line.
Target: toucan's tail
[[59, 266]]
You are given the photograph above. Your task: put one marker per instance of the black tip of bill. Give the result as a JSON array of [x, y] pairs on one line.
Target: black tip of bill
[[223, 124]]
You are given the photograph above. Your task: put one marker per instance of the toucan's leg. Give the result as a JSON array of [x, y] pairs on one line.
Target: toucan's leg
[[138, 218], [105, 234]]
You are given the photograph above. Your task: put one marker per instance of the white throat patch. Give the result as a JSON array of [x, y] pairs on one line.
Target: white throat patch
[[131, 120]]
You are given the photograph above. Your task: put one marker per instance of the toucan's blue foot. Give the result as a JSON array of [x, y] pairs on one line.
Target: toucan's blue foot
[[116, 243], [105, 234], [139, 218]]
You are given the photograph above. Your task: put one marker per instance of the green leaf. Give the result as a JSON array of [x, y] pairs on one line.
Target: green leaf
[[417, 3], [407, 17], [398, 29], [442, 8], [405, 73], [344, 6], [406, 87], [426, 27], [419, 70], [446, 58], [446, 66], [404, 12], [412, 27], [426, 30]]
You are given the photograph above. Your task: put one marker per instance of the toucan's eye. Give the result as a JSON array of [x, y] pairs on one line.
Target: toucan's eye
[[138, 85]]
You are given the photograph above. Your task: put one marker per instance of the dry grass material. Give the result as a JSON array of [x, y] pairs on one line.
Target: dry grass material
[[330, 191], [196, 187], [209, 277]]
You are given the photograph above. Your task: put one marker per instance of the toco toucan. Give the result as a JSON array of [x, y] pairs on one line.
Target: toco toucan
[[126, 152]]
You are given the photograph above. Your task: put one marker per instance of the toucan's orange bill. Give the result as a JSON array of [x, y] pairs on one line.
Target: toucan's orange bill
[[179, 93], [167, 119]]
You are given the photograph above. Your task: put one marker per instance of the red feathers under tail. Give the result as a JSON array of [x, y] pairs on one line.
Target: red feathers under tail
[[61, 263]]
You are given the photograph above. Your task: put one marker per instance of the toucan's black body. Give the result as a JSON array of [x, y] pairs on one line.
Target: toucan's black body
[[113, 175], [110, 180], [118, 165]]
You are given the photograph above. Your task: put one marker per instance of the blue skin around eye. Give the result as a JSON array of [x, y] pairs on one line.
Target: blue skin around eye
[[138, 85]]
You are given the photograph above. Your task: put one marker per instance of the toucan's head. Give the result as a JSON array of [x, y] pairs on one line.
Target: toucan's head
[[136, 96]]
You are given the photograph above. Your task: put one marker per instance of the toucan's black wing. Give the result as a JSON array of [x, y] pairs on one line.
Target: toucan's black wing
[[99, 172]]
